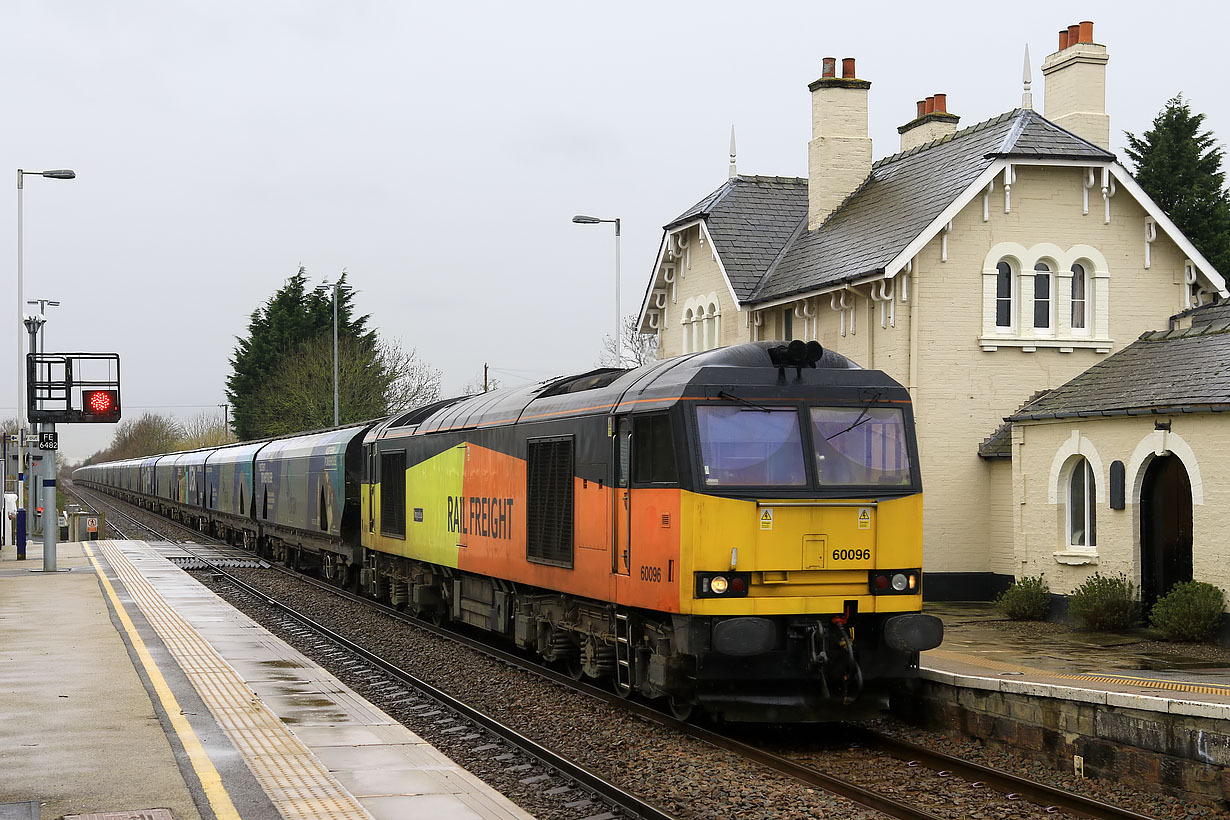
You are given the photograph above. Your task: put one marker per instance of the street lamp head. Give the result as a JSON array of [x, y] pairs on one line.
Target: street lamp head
[[62, 173], [581, 219]]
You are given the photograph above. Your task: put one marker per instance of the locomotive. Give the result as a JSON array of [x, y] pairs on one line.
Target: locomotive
[[738, 530]]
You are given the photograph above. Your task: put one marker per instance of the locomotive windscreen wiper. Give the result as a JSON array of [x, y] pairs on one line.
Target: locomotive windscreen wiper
[[862, 417], [724, 395]]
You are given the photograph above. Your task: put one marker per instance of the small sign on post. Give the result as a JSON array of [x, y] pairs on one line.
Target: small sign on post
[[91, 525], [48, 440]]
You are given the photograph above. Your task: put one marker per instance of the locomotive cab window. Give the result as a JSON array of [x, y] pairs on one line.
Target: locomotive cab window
[[549, 499], [750, 447], [393, 494], [861, 446], [653, 446]]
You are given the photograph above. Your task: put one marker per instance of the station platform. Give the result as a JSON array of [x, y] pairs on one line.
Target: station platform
[[131, 690], [983, 650]]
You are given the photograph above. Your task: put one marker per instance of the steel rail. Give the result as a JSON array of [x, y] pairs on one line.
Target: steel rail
[[589, 779], [1008, 784]]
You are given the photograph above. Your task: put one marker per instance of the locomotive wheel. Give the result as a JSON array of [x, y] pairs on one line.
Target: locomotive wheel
[[681, 710], [574, 667]]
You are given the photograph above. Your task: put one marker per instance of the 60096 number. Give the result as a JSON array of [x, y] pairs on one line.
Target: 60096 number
[[851, 555]]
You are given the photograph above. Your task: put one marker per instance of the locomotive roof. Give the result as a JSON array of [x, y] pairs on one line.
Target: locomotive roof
[[608, 390]]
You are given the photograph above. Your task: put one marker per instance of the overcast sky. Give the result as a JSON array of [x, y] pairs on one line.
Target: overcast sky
[[438, 152]]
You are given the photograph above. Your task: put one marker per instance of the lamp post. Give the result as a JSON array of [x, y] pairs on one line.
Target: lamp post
[[337, 287], [226, 414], [21, 365], [581, 219]]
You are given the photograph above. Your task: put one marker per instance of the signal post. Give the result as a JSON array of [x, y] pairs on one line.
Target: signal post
[[67, 388]]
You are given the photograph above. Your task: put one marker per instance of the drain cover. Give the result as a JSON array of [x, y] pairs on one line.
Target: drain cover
[[139, 814]]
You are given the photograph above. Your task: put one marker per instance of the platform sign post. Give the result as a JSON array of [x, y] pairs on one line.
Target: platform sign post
[[67, 388], [51, 519]]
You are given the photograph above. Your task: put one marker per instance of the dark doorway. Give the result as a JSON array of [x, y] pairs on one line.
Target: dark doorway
[[1165, 528]]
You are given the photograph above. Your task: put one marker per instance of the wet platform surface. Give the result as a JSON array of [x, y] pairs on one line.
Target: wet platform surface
[[982, 649], [129, 686]]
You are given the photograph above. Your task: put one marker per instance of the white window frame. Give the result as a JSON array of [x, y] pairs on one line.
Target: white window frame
[[1011, 327], [1084, 470], [1043, 267], [1087, 293]]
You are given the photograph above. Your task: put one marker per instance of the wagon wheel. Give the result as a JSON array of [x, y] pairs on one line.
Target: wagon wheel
[[681, 709]]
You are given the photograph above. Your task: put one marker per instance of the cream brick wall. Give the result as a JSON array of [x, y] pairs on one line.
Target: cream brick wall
[[963, 392], [699, 275], [1041, 451]]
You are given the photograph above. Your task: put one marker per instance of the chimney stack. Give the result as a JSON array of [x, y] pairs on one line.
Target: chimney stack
[[1075, 77], [932, 123], [839, 154]]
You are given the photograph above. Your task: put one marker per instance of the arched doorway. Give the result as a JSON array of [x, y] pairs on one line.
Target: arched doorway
[[1165, 528]]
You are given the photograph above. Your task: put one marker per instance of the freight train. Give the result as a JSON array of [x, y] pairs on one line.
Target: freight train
[[738, 530]]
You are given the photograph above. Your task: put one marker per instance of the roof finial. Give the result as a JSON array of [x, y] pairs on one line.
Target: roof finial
[[733, 171], [1027, 98]]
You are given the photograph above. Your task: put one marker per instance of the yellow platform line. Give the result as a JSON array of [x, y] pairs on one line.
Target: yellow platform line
[[211, 781], [290, 774], [1127, 680]]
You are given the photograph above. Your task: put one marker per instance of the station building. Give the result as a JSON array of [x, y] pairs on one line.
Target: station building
[[977, 266]]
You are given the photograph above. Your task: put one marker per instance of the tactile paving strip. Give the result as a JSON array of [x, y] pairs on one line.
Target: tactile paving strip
[[1125, 680], [295, 780]]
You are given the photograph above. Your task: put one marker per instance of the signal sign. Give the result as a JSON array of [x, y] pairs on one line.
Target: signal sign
[[99, 402]]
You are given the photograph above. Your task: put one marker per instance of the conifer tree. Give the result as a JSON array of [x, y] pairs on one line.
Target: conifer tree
[[293, 316], [1179, 166]]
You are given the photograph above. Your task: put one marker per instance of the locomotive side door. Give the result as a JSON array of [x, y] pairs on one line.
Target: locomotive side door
[[621, 552]]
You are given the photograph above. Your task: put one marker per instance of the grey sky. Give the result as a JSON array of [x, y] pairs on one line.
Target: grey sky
[[438, 151]]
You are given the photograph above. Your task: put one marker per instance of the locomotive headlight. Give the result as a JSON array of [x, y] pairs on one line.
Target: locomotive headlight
[[900, 582], [719, 584]]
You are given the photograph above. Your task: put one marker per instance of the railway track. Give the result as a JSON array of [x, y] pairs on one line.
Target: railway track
[[563, 774], [956, 773]]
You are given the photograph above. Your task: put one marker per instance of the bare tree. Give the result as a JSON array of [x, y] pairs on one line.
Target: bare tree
[[145, 436], [478, 385], [204, 430], [637, 348], [374, 380]]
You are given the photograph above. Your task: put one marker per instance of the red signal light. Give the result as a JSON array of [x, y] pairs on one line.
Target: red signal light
[[99, 402]]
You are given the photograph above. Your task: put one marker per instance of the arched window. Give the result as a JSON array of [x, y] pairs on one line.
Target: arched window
[[689, 332], [1080, 297], [1043, 281], [1082, 507], [715, 326], [1004, 292], [702, 330]]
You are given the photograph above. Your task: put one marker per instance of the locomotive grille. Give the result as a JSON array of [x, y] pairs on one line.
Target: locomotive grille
[[549, 499], [393, 494]]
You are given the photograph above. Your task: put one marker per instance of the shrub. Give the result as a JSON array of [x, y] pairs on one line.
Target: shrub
[[1191, 611], [1105, 603], [1028, 599]]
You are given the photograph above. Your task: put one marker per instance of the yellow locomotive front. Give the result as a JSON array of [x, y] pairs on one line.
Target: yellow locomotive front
[[802, 535]]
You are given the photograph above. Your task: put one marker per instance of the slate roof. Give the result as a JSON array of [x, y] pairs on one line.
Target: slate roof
[[999, 443], [751, 219], [1165, 371], [759, 223], [1205, 314], [905, 193]]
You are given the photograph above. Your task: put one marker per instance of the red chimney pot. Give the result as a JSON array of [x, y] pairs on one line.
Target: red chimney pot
[[1086, 31], [830, 67], [847, 68], [922, 107], [1074, 35], [941, 103], [930, 109], [1063, 39]]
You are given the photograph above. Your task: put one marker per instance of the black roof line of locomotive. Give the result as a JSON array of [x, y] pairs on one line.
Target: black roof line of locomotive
[[668, 377]]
